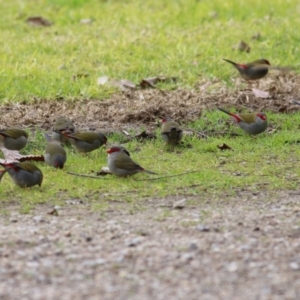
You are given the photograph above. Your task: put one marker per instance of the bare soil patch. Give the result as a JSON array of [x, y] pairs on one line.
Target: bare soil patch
[[133, 109]]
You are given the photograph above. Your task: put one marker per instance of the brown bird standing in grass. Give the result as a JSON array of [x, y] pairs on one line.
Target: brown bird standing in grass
[[171, 131], [252, 71]]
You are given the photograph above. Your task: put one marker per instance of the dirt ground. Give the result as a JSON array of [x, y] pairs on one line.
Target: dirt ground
[[242, 247], [136, 108], [245, 247]]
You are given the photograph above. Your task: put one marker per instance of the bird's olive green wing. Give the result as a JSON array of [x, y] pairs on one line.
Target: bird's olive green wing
[[126, 163], [257, 62], [14, 133], [55, 147], [88, 137], [247, 118], [168, 126], [27, 166]]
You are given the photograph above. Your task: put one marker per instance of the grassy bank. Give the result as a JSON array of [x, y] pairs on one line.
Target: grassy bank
[[133, 40]]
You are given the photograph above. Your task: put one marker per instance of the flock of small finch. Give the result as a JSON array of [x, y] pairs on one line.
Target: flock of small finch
[[26, 174]]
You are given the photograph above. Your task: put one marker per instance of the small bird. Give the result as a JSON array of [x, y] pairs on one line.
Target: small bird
[[55, 155], [250, 123], [171, 131], [13, 138], [62, 124], [121, 164], [86, 141], [254, 70], [23, 174]]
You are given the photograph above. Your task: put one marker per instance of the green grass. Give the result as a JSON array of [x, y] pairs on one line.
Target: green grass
[[264, 162], [136, 39]]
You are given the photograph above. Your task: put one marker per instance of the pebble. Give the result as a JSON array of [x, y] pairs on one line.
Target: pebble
[[193, 246], [294, 265], [179, 204], [38, 219], [203, 227], [93, 262], [232, 267], [134, 242]]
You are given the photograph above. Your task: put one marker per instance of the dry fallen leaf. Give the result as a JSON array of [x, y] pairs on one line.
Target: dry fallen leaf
[[282, 109], [256, 36], [16, 156], [53, 212], [148, 83], [145, 135], [180, 204], [242, 46], [224, 147], [123, 84], [152, 81], [102, 80], [86, 21], [103, 172], [260, 93], [125, 132], [38, 21], [32, 158]]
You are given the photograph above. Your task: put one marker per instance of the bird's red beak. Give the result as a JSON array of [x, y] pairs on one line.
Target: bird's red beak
[[263, 117], [113, 149]]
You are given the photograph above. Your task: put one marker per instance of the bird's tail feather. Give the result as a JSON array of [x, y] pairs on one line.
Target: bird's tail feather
[[230, 61]]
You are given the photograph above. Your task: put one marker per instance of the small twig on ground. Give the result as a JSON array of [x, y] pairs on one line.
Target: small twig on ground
[[148, 179], [84, 175], [169, 176]]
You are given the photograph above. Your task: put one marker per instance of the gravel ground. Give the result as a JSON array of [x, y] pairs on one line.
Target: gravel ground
[[245, 247]]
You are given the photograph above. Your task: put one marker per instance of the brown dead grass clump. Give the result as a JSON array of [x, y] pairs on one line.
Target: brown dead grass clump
[[132, 109]]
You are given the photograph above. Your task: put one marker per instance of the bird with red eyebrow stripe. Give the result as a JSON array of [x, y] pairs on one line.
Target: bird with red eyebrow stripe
[[251, 123], [121, 164], [23, 174], [252, 71]]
